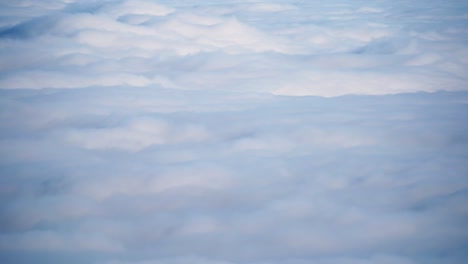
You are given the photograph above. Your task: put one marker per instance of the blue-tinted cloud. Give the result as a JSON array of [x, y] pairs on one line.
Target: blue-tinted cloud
[[349, 179], [148, 132], [278, 47]]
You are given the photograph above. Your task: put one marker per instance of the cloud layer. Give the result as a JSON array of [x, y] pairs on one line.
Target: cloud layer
[[353, 179], [279, 47], [174, 132]]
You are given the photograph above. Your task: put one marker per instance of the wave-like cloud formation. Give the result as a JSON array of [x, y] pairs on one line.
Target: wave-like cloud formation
[[144, 176], [281, 47], [183, 132]]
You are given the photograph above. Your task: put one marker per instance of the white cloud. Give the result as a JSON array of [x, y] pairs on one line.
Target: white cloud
[[114, 32], [40, 79], [134, 7], [307, 177], [199, 132], [137, 135], [270, 7]]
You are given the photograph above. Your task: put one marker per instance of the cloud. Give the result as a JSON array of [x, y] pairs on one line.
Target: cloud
[[233, 132], [38, 80], [280, 180], [45, 240], [380, 45], [270, 7], [134, 7], [137, 135]]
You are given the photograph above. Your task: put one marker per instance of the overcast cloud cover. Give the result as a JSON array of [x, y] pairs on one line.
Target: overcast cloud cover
[[232, 132]]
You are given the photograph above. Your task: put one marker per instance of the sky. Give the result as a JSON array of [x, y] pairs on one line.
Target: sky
[[234, 132]]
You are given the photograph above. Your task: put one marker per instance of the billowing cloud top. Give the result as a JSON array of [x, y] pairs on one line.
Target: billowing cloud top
[[281, 47], [233, 132]]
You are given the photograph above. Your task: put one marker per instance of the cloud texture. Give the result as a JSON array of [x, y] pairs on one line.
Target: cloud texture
[[279, 47], [229, 132]]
